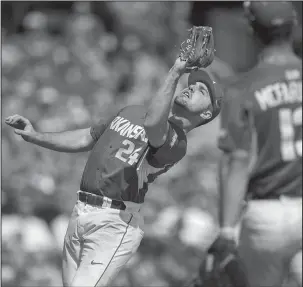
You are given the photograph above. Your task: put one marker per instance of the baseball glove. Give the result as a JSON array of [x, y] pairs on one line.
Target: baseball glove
[[220, 268], [227, 269], [198, 49]]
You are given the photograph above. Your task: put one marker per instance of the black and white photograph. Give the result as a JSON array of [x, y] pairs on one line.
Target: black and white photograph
[[151, 143]]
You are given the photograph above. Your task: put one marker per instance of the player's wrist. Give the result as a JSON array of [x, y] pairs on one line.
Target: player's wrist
[[33, 136], [228, 232], [179, 67]]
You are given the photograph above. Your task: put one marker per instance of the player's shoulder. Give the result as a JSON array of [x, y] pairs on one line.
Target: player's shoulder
[[267, 73], [234, 88], [133, 112], [271, 71], [239, 87], [235, 97], [132, 108]]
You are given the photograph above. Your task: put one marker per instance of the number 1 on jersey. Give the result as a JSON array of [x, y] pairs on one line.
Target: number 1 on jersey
[[291, 148]]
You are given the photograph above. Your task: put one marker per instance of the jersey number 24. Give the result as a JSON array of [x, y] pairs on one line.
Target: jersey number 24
[[128, 153], [290, 121]]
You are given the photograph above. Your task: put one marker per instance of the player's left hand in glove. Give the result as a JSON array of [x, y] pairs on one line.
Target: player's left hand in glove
[[198, 49]]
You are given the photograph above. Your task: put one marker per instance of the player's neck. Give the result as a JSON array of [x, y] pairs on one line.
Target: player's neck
[[183, 123], [277, 53]]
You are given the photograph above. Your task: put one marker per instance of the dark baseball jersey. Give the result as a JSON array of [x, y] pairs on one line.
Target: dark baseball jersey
[[262, 115], [122, 163]]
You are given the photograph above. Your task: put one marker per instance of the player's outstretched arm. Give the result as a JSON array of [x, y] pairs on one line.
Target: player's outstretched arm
[[68, 141], [156, 120], [233, 185], [236, 142], [197, 51]]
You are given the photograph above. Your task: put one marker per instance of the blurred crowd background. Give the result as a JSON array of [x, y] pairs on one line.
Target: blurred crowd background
[[63, 65]]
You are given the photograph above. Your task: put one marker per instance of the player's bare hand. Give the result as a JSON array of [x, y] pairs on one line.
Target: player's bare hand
[[21, 125]]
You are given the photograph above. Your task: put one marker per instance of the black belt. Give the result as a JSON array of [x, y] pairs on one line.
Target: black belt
[[274, 196], [98, 200]]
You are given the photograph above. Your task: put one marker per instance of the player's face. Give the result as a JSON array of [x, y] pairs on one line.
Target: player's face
[[195, 99]]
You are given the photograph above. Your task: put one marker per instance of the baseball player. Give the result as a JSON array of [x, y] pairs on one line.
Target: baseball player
[[261, 138], [128, 151]]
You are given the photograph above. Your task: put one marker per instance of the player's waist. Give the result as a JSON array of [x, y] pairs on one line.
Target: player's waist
[[272, 188], [273, 196], [106, 202]]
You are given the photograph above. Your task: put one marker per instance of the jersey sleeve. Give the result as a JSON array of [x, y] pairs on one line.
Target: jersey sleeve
[[236, 125], [173, 150], [98, 129]]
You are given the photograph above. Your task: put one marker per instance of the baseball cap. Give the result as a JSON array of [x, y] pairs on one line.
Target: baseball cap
[[214, 89], [270, 14]]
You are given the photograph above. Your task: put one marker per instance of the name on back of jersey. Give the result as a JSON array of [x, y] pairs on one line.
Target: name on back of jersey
[[125, 128], [280, 93]]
